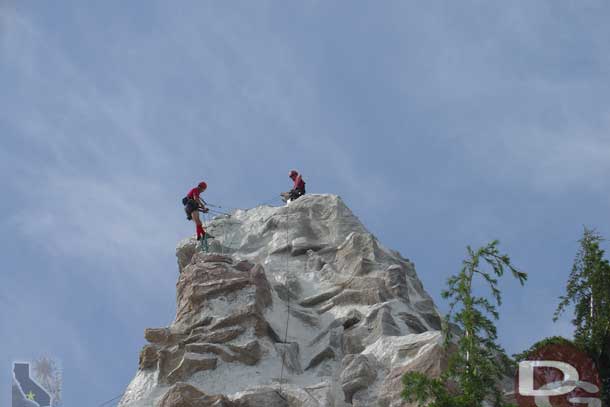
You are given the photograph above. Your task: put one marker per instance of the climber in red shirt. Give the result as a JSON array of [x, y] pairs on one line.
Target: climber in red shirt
[[193, 204], [298, 188]]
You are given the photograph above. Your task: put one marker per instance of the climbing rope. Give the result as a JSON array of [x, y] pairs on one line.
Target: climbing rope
[[222, 232], [287, 315], [234, 234], [227, 235], [270, 201], [231, 208], [114, 399], [219, 212]]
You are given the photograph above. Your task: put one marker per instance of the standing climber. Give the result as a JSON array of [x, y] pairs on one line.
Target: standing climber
[[298, 189], [193, 204]]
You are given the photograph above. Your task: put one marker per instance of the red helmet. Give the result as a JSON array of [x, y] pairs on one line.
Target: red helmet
[[293, 173], [202, 185]]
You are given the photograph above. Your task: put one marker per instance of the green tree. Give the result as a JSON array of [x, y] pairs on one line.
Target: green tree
[[475, 369], [588, 290]]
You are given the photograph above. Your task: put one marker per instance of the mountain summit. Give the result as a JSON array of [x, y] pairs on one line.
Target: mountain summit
[[290, 306]]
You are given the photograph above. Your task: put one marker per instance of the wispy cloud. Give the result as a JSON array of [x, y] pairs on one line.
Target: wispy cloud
[[553, 159], [573, 157], [427, 118], [82, 155], [87, 216]]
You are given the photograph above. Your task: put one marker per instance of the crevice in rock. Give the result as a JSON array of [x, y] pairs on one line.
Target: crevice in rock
[[350, 322]]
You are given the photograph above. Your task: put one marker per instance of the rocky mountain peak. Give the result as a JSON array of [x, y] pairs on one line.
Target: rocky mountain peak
[[290, 306]]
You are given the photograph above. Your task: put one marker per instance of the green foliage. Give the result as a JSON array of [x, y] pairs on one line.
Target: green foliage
[[588, 289], [553, 340], [479, 363], [421, 389]]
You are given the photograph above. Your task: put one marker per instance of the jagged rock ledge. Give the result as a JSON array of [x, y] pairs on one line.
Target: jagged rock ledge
[[358, 316]]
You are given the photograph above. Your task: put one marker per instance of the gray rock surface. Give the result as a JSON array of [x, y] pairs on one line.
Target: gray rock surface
[[292, 306]]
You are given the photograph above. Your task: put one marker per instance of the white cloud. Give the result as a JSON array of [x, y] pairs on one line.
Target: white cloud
[[571, 158], [85, 216], [97, 136], [81, 157]]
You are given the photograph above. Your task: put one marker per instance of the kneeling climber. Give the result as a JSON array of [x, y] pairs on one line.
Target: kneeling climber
[[298, 189], [193, 204]]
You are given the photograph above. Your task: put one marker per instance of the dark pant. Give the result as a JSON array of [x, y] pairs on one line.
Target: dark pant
[[190, 207], [296, 193]]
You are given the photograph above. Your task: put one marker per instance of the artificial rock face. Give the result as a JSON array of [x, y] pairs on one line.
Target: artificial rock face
[[292, 306]]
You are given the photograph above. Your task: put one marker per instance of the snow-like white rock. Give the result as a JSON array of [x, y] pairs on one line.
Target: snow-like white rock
[[312, 293]]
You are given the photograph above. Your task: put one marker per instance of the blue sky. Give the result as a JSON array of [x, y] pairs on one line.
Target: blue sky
[[441, 124]]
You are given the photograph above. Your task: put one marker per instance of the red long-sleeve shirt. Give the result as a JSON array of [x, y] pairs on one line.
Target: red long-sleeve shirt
[[298, 182], [194, 193]]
